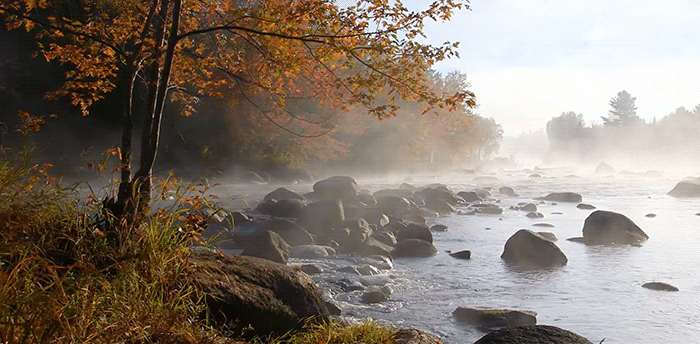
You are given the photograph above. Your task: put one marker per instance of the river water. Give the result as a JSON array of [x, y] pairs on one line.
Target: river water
[[598, 294]]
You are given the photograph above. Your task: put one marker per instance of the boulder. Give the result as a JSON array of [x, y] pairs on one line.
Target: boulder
[[376, 295], [257, 295], [440, 206], [338, 187], [469, 196], [689, 187], [372, 247], [659, 286], [535, 175], [386, 238], [548, 235], [441, 193], [413, 231], [308, 252], [528, 207], [239, 218], [394, 205], [281, 194], [413, 336], [310, 269], [466, 254], [267, 245], [605, 169], [490, 209], [438, 228], [401, 193], [530, 250], [562, 197], [585, 206], [367, 270], [414, 248], [609, 228], [291, 208], [536, 334], [322, 215], [291, 232], [507, 191], [534, 215], [495, 318]]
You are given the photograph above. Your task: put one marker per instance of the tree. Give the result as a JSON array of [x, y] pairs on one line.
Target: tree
[[185, 49], [568, 126], [624, 112]]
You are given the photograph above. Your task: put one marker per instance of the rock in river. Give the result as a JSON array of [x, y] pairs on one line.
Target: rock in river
[[414, 248], [562, 197], [689, 187], [659, 286], [609, 228], [536, 334], [495, 318], [530, 250]]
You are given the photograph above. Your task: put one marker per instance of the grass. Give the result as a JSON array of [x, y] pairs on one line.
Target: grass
[[64, 279]]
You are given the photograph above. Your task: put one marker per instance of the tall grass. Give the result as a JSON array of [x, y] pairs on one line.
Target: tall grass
[[63, 281]]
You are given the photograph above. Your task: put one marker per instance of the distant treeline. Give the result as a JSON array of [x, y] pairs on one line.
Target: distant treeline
[[624, 136]]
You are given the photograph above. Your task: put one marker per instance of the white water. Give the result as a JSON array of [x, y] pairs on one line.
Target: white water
[[598, 294]]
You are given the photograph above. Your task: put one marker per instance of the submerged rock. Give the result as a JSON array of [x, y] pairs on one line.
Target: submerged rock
[[585, 206], [659, 286], [562, 197], [609, 228], [466, 254], [536, 334], [414, 248]]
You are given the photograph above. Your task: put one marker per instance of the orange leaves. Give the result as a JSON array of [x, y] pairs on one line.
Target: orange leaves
[[29, 123]]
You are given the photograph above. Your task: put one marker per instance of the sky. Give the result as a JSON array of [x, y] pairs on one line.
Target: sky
[[529, 61]]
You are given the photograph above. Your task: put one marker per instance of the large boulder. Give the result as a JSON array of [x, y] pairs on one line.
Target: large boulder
[[267, 245], [291, 232], [309, 252], [340, 187], [283, 193], [562, 197], [469, 196], [508, 191], [323, 215], [609, 228], [689, 187], [374, 247], [495, 318], [292, 208], [413, 231], [439, 206], [535, 334], [256, 295], [529, 249], [394, 205], [442, 193], [414, 248]]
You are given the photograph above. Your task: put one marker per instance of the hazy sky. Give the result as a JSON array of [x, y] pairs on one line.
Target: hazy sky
[[529, 61]]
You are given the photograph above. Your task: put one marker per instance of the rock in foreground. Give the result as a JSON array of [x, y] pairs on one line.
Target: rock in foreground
[[246, 291], [536, 334], [609, 228], [495, 318], [659, 286], [530, 250]]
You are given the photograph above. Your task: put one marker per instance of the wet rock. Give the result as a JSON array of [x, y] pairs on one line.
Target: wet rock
[[659, 286], [308, 252], [283, 193], [536, 334], [549, 225], [414, 248], [466, 254], [609, 228], [394, 205], [490, 209], [562, 197], [689, 187], [267, 245], [347, 285], [469, 196], [440, 206], [495, 318], [376, 296], [528, 207], [650, 215], [376, 280], [577, 239], [249, 292], [367, 270], [442, 193], [507, 191], [348, 270], [379, 262], [290, 208], [310, 269], [530, 250], [438, 228], [585, 206], [534, 215], [333, 309]]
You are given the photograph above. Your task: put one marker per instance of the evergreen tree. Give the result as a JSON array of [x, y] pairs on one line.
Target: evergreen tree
[[624, 111]]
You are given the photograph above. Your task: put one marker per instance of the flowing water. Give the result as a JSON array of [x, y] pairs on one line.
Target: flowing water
[[598, 294]]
